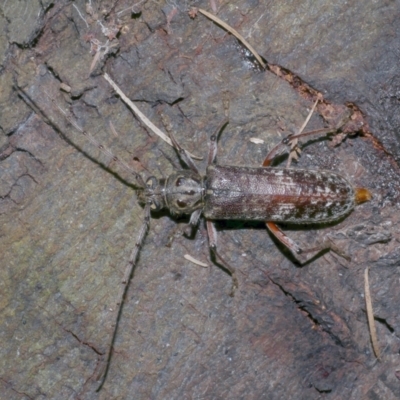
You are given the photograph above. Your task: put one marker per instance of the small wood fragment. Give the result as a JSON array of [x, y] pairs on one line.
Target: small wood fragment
[[65, 88], [194, 261], [256, 140], [370, 315]]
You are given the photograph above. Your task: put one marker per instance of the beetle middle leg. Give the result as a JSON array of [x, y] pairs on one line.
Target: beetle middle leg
[[195, 215], [212, 237], [212, 232]]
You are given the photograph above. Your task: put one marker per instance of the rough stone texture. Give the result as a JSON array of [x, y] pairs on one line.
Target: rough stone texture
[[68, 223]]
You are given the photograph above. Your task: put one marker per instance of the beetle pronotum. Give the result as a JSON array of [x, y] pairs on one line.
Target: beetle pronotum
[[296, 196]]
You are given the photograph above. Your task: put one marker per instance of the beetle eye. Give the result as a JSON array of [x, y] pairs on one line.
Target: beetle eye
[[181, 204], [155, 205], [151, 182]]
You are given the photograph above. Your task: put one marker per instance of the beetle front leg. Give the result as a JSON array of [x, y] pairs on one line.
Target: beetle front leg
[[187, 230], [183, 154], [212, 152], [212, 238], [194, 220]]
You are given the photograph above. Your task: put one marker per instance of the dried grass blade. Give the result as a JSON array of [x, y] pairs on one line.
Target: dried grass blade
[[140, 115], [234, 33], [370, 315]]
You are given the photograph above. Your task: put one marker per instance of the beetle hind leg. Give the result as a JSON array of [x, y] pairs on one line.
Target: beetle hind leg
[[328, 245], [303, 255]]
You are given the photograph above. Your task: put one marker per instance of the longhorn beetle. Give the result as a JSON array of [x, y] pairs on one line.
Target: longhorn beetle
[[295, 196]]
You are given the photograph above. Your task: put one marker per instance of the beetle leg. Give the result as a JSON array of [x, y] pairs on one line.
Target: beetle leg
[[275, 152], [289, 243], [187, 230], [195, 216], [194, 220], [326, 244], [183, 154], [304, 255], [281, 148], [212, 237], [291, 140], [292, 246], [212, 152]]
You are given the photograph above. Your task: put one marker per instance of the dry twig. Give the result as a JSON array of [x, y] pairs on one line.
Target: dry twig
[[194, 261], [234, 33], [370, 315], [140, 115]]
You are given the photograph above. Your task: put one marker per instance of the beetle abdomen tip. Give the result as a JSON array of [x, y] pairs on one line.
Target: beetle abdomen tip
[[362, 195]]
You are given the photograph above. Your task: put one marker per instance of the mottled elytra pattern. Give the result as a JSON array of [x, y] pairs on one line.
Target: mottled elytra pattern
[[279, 195]]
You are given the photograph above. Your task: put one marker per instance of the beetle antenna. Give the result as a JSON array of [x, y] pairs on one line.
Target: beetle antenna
[[105, 363], [107, 152]]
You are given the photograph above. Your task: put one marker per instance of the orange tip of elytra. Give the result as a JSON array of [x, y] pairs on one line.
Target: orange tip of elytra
[[362, 195]]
